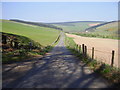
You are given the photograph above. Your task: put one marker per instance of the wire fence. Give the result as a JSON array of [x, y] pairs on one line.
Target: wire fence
[[106, 57]]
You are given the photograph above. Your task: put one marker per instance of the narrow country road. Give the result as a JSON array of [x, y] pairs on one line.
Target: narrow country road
[[60, 69]]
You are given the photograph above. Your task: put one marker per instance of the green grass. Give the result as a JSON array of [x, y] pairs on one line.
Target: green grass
[[112, 74], [75, 27], [44, 36], [11, 54], [69, 42], [98, 35], [41, 38], [109, 30]]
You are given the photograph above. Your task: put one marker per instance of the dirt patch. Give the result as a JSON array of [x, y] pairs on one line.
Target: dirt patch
[[103, 47], [94, 24]]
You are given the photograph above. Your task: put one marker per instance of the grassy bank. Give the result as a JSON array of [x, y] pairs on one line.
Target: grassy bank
[[12, 53], [98, 35], [17, 38], [44, 36], [112, 74]]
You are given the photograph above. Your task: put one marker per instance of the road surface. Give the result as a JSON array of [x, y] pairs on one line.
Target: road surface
[[60, 69]]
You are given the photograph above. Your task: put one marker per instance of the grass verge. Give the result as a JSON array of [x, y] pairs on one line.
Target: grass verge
[[97, 35], [112, 74], [11, 53]]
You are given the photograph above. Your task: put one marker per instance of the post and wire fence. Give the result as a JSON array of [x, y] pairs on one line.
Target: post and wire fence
[[84, 50]]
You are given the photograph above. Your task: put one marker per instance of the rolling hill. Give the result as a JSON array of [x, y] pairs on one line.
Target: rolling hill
[[43, 35], [76, 26], [109, 28], [104, 30], [36, 23], [21, 41]]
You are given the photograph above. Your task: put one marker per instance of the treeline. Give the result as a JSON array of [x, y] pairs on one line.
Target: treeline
[[37, 24]]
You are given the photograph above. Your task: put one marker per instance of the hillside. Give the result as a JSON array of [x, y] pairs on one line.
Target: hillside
[[105, 25], [22, 41], [109, 28], [43, 35], [104, 30], [76, 26], [36, 23]]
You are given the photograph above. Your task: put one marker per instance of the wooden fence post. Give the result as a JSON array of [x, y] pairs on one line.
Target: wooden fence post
[[79, 48], [85, 51], [76, 47], [92, 53], [112, 60]]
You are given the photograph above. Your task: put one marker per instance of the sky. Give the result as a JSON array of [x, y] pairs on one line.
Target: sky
[[60, 11]]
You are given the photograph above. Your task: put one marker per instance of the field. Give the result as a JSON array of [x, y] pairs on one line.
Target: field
[[103, 47], [78, 26], [105, 30], [16, 38], [43, 35]]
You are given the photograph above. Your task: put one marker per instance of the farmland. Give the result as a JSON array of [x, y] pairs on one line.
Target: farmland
[[99, 29], [43, 35], [76, 26], [17, 36], [105, 30], [103, 47]]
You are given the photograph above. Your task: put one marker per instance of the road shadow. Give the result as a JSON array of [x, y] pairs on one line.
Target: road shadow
[[59, 69]]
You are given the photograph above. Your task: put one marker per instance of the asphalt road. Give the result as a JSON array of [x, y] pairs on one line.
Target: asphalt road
[[60, 69]]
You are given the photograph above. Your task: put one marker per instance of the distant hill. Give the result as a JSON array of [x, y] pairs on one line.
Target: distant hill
[[109, 28], [76, 26], [104, 30], [103, 25], [77, 22], [36, 23]]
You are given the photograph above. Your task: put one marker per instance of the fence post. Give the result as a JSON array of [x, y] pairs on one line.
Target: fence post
[[92, 53], [83, 48], [79, 48], [76, 47], [85, 51], [112, 60]]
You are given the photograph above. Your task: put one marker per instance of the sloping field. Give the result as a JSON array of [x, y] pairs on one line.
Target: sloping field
[[43, 35], [77, 26], [103, 47], [109, 28]]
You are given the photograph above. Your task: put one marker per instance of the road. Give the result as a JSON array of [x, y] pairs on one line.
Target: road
[[60, 69]]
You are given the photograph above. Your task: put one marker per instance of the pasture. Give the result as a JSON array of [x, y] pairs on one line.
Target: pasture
[[16, 39], [44, 36], [79, 26]]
